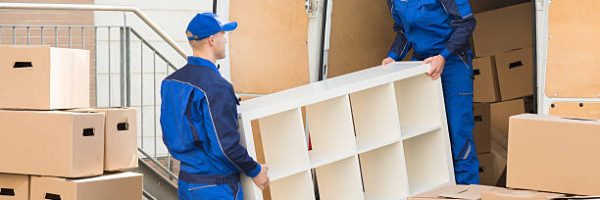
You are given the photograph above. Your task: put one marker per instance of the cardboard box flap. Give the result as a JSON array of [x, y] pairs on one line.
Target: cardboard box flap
[[442, 191], [556, 119], [576, 197], [507, 194], [464, 192], [472, 193]]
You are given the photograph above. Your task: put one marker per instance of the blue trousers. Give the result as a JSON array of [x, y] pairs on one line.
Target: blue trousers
[[457, 83], [190, 191]]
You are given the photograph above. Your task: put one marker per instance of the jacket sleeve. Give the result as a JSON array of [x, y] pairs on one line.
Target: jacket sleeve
[[219, 122], [400, 46], [463, 23]]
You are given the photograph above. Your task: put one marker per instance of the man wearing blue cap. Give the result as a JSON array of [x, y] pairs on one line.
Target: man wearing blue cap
[[439, 32], [199, 120]]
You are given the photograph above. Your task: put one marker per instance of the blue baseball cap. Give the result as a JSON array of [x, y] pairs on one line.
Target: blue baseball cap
[[204, 25]]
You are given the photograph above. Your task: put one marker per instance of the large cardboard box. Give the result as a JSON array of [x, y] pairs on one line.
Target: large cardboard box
[[500, 113], [52, 143], [582, 110], [485, 83], [44, 78], [14, 187], [515, 73], [121, 186], [120, 138], [503, 30], [549, 153], [481, 132]]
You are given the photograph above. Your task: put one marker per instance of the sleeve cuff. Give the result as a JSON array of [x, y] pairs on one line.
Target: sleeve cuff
[[394, 56], [445, 53], [253, 173]]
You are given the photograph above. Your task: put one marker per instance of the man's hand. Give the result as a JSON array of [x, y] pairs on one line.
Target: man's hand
[[437, 66], [387, 61], [262, 179]]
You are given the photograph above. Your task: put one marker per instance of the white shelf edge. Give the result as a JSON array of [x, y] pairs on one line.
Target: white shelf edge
[[288, 173], [421, 131], [378, 145], [313, 93], [333, 159]]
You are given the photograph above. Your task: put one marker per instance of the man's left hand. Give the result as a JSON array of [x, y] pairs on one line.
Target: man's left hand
[[437, 66]]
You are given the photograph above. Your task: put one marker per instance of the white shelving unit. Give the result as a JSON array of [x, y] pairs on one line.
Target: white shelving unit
[[380, 133]]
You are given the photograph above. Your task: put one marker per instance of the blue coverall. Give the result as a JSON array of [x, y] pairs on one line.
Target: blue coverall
[[199, 123], [444, 27]]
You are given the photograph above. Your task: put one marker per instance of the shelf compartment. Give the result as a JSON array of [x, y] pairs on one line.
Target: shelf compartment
[[331, 131]]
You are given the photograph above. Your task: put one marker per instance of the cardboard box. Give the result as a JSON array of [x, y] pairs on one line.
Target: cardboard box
[[464, 192], [481, 132], [486, 169], [581, 110], [515, 74], [549, 153], [476, 192], [486, 5], [121, 186], [499, 154], [503, 30], [500, 113], [14, 187], [120, 138], [485, 83], [508, 194], [52, 143], [492, 166], [44, 78]]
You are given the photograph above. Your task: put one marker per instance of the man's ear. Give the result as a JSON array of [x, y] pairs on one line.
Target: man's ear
[[211, 41]]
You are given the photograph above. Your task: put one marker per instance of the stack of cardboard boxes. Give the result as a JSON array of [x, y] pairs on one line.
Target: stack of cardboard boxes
[[503, 82], [51, 151]]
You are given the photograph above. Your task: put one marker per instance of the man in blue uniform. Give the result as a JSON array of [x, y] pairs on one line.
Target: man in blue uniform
[[439, 32], [199, 120]]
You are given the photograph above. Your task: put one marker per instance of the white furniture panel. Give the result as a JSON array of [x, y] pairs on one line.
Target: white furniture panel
[[375, 117], [379, 133], [331, 131], [340, 180], [296, 187], [426, 161], [285, 148], [419, 104], [384, 173]]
